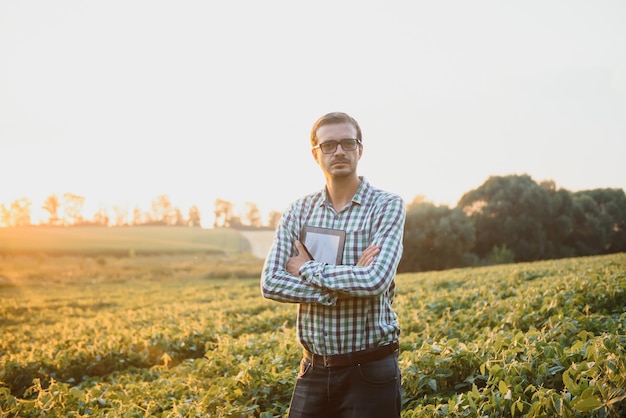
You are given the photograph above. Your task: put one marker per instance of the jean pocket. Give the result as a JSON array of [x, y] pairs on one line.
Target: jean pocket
[[380, 372], [305, 366]]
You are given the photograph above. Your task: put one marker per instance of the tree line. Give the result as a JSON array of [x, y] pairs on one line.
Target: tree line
[[506, 219], [513, 219], [67, 210]]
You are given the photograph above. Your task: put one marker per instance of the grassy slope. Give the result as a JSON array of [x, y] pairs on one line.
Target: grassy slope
[[101, 240]]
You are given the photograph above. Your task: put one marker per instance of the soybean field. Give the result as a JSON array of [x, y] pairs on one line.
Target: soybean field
[[190, 336]]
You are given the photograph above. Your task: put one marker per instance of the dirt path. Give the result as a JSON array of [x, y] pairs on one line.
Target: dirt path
[[261, 241]]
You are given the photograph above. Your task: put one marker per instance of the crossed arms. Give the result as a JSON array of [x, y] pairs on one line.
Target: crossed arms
[[289, 275]]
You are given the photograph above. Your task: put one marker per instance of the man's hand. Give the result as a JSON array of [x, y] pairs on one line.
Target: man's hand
[[368, 255], [294, 263]]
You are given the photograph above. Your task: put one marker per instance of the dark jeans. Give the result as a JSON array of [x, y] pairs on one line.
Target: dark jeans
[[366, 390]]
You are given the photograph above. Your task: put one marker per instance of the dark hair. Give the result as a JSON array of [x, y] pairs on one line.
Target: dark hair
[[333, 118]]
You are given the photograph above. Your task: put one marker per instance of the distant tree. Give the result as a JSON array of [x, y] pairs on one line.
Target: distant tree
[[500, 255], [52, 205], [194, 216], [101, 217], [435, 237], [510, 211], [17, 214], [612, 209], [589, 235], [223, 213], [557, 221], [274, 219], [5, 215], [20, 209], [537, 221], [234, 222], [73, 208], [599, 222], [120, 215], [178, 218], [252, 215], [137, 216], [162, 211]]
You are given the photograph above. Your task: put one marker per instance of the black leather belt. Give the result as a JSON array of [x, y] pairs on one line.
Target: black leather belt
[[352, 359]]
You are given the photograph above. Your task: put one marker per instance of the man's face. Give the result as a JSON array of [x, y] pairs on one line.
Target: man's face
[[340, 163]]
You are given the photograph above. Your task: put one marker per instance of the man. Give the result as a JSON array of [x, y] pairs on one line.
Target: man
[[345, 319]]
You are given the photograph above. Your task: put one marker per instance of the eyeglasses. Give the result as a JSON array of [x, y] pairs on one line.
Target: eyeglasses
[[348, 144]]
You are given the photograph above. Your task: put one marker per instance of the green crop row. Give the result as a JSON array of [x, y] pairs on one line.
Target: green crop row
[[522, 340]]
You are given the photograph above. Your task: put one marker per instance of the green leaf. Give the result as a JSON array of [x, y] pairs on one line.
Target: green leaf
[[577, 346], [555, 369], [569, 383], [586, 404], [76, 393], [433, 384], [587, 393], [502, 387]]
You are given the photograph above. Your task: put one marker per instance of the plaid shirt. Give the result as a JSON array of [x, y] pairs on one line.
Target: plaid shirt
[[343, 308]]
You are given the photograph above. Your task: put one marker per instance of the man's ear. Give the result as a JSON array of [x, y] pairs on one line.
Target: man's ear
[[315, 155]]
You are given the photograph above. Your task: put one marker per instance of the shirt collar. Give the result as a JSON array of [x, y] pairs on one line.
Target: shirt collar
[[359, 195]]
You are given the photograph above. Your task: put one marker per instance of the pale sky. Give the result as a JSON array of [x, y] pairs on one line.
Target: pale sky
[[122, 101]]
